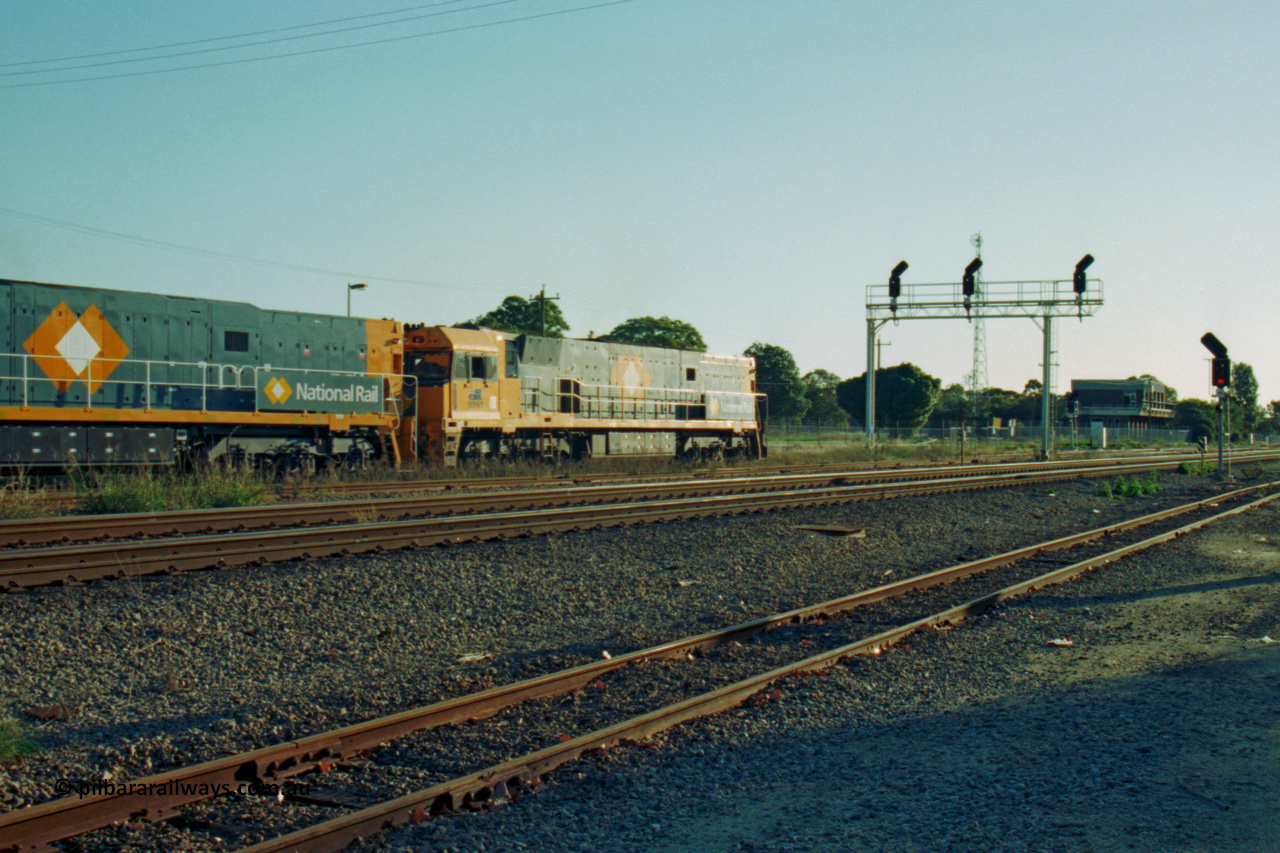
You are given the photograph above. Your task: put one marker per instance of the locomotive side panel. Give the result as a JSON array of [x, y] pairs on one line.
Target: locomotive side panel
[[191, 372], [582, 398]]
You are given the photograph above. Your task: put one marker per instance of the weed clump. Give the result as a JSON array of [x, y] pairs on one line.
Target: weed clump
[[15, 743], [1126, 488], [146, 491], [17, 500]]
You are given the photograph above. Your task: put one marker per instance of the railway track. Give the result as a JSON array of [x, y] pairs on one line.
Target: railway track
[[43, 531], [63, 501], [886, 615], [519, 515]]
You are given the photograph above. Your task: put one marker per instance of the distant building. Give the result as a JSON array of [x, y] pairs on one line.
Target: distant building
[[1119, 403]]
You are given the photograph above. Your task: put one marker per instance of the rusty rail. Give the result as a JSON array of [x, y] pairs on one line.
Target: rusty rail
[[20, 568], [461, 491], [512, 776]]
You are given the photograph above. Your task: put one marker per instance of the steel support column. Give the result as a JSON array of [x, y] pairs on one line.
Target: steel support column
[[1222, 432], [1046, 392], [871, 380]]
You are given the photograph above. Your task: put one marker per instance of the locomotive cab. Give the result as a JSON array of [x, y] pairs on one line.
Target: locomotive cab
[[468, 384]]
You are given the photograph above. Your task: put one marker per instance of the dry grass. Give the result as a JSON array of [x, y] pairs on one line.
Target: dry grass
[[19, 500]]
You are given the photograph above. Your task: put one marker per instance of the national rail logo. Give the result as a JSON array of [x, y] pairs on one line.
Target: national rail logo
[[68, 347], [277, 390]]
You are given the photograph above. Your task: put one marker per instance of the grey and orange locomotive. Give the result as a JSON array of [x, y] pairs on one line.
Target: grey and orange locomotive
[[99, 377]]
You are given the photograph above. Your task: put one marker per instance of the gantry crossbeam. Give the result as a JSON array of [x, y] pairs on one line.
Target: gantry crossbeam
[[997, 299]]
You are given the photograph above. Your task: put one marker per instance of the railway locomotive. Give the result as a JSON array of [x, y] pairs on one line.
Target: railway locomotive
[[106, 378]]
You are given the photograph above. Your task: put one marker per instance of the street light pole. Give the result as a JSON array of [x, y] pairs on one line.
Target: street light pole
[[351, 287]]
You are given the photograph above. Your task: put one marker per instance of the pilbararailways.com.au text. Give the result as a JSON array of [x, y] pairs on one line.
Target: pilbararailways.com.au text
[[175, 788]]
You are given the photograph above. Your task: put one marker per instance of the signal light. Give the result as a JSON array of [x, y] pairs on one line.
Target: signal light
[[968, 286], [895, 280], [1221, 372], [1079, 282]]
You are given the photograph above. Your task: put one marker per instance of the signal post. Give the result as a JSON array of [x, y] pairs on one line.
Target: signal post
[[1220, 376]]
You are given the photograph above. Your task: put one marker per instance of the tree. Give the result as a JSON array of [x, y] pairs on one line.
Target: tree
[[1198, 416], [905, 395], [524, 316], [1028, 407], [657, 332], [952, 406], [778, 378], [820, 391], [1002, 403], [1270, 425], [1244, 397], [1170, 393]]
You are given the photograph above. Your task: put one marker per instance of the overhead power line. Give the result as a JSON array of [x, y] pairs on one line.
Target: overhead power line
[[227, 38], [170, 70], [227, 256], [253, 43]]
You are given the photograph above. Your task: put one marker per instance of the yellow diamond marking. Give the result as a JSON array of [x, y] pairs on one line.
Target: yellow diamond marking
[[278, 391], [68, 347]]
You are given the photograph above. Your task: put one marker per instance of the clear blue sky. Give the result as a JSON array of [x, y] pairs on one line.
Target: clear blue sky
[[749, 167]]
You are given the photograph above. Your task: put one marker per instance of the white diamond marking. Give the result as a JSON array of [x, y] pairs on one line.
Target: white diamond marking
[[277, 391], [78, 347]]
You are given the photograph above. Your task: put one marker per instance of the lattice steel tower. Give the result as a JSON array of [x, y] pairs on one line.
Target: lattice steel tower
[[978, 380]]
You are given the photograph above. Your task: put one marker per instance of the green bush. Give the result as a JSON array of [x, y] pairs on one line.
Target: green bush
[[1125, 488], [14, 741], [145, 491]]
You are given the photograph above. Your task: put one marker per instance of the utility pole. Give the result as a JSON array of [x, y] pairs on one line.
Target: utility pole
[[542, 298], [880, 345]]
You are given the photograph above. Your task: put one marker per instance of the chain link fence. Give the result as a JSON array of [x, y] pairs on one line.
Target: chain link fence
[[816, 432]]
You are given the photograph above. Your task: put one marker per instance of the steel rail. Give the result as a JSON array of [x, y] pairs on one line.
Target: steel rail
[[55, 529], [20, 568], [32, 532], [87, 528], [589, 477], [41, 825], [498, 782]]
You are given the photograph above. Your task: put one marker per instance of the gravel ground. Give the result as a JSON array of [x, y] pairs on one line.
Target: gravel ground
[[969, 754]]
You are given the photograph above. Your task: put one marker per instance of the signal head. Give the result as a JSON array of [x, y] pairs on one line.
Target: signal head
[[1221, 372], [895, 280], [968, 285], [1079, 282], [1213, 345]]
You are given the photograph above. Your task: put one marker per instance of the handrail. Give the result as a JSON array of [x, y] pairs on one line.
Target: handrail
[[148, 386]]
